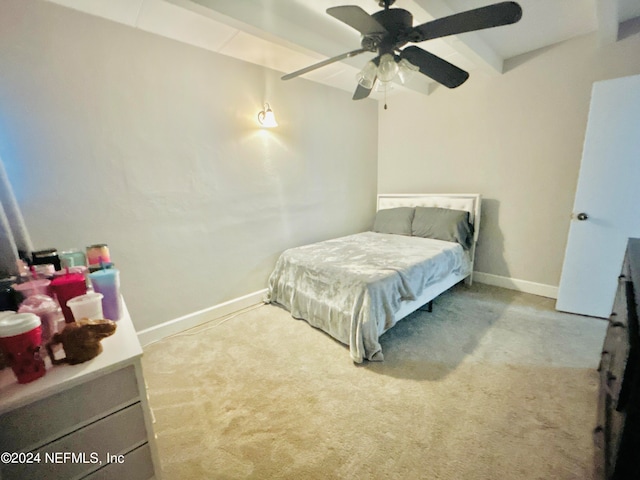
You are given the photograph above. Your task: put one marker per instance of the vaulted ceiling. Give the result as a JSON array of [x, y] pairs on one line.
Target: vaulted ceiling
[[287, 35]]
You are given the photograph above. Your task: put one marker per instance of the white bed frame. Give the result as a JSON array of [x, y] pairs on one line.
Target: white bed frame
[[469, 202]]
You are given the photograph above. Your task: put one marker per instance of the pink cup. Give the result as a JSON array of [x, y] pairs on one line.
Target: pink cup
[[38, 286], [49, 312], [77, 269], [20, 339], [67, 287]]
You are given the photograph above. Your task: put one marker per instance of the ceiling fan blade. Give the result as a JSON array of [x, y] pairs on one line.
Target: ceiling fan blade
[[323, 63], [435, 67], [362, 92], [496, 15], [357, 18]]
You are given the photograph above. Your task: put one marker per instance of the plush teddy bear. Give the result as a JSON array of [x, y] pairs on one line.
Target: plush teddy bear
[[81, 340]]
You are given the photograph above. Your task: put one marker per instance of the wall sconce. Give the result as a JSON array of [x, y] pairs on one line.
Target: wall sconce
[[266, 118]]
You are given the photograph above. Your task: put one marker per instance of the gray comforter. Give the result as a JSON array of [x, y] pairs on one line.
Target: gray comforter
[[352, 286]]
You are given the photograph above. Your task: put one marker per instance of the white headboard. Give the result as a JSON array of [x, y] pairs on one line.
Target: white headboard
[[469, 202]]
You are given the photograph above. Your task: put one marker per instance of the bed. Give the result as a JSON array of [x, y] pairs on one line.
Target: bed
[[357, 287]]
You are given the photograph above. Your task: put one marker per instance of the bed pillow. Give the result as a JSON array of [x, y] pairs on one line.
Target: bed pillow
[[443, 224], [394, 220]]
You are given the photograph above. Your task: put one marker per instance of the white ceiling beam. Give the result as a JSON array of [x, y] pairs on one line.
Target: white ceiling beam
[[470, 45], [291, 25], [121, 11], [289, 22], [607, 14]]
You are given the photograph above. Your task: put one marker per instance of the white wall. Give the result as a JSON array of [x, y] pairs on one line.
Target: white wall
[[110, 134], [516, 139]]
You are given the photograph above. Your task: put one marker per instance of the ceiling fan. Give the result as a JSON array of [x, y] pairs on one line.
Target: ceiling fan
[[386, 31]]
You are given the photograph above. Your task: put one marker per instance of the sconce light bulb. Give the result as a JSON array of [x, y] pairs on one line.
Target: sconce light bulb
[[266, 118]]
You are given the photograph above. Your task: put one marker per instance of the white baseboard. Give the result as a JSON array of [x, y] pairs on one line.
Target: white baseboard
[[514, 284], [177, 325], [158, 332]]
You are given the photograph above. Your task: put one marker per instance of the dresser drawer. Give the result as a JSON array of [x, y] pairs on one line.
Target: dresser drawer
[[599, 454], [116, 434], [614, 373], [31, 426], [619, 309], [137, 465], [616, 349], [615, 431]]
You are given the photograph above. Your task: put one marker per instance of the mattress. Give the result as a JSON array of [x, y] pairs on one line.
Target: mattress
[[352, 287]]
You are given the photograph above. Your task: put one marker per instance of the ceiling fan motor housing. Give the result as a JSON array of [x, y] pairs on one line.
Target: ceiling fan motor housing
[[398, 23]]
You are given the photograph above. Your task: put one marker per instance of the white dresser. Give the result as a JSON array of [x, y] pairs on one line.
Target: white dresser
[[90, 420]]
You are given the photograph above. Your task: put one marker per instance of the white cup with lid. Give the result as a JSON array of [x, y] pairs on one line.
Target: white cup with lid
[[88, 306]]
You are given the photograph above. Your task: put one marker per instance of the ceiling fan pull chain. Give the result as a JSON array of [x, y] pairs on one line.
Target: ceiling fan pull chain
[[385, 97]]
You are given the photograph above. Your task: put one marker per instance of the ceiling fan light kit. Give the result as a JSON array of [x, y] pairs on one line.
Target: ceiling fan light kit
[[388, 68], [406, 70], [387, 31], [367, 76]]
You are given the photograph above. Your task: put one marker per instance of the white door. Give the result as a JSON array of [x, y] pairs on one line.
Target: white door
[[607, 204]]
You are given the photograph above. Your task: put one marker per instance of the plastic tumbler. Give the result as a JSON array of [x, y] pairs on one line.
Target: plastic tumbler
[[49, 312], [88, 306], [107, 282], [20, 339], [38, 286], [67, 287], [97, 254], [72, 258], [79, 269]]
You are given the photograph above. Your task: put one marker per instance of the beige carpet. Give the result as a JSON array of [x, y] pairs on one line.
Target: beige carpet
[[492, 384]]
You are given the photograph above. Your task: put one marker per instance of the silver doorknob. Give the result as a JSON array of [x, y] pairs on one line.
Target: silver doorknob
[[582, 216]]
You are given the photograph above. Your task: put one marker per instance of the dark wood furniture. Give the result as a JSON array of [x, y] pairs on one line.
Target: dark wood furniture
[[617, 434]]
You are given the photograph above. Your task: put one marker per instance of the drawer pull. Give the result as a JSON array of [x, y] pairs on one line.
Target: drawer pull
[[604, 361], [598, 436], [608, 388], [605, 355], [616, 323]]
